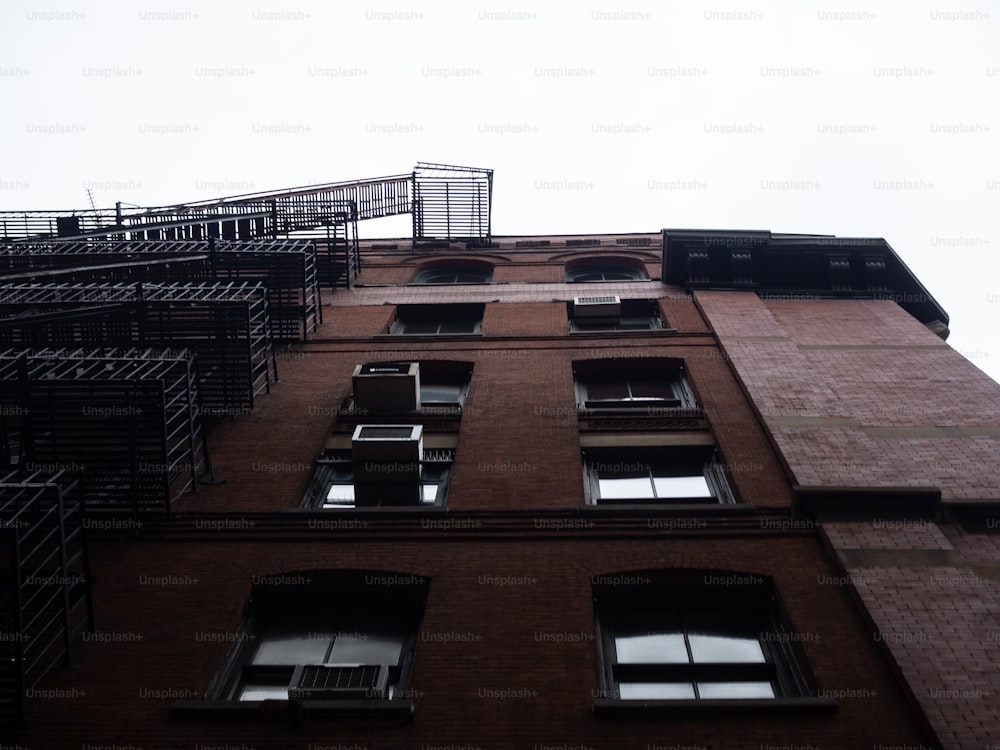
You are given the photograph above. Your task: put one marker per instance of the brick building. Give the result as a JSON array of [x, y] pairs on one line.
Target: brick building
[[657, 490]]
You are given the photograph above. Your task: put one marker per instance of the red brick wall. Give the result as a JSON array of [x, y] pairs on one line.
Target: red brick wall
[[858, 393], [518, 464], [493, 610]]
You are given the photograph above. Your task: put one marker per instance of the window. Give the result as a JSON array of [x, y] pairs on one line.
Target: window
[[334, 487], [692, 636], [607, 268], [654, 385], [437, 320], [455, 271], [324, 637], [453, 276], [668, 475], [392, 387], [633, 315]]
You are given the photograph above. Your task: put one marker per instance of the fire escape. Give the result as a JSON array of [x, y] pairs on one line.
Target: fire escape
[[448, 204]]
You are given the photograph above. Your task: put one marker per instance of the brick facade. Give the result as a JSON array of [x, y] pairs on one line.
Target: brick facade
[[857, 393], [506, 655]]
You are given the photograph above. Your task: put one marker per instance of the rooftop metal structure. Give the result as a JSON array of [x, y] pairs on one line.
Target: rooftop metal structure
[[448, 203]]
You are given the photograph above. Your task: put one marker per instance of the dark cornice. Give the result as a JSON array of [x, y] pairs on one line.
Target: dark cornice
[[797, 266]]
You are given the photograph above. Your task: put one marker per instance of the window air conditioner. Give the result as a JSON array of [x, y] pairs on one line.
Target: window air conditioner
[[387, 453], [338, 681], [597, 309], [387, 387]]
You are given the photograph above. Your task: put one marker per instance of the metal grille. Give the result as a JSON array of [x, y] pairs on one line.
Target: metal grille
[[46, 600], [127, 422]]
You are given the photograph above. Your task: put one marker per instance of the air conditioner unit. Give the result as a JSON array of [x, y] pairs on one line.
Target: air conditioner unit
[[387, 387], [383, 494], [607, 307], [387, 453], [338, 681]]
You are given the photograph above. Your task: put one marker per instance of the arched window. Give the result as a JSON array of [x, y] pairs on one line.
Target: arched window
[[693, 635], [456, 271], [605, 269], [324, 635]]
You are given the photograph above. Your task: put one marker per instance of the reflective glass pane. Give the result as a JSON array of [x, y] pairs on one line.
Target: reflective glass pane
[[631, 691], [651, 648], [607, 391], [651, 389], [710, 690], [634, 324], [448, 394], [690, 486], [725, 649], [438, 277], [303, 642], [366, 645], [256, 692], [625, 487], [458, 326], [428, 493], [341, 494], [420, 326]]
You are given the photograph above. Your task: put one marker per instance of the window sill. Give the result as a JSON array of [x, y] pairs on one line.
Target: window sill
[[290, 710], [629, 509], [429, 336], [616, 707], [377, 511], [619, 331]]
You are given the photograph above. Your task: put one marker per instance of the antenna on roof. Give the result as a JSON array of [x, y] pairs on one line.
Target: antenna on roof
[[91, 197]]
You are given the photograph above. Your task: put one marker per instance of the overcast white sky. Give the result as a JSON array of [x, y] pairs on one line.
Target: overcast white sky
[[854, 119]]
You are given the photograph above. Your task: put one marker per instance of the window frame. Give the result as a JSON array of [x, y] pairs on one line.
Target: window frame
[[338, 595], [452, 374], [628, 274], [686, 457], [636, 315], [323, 479], [437, 314], [677, 596], [424, 276], [683, 395]]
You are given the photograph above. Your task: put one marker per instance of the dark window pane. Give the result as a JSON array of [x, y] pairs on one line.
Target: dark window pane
[[420, 327], [651, 389], [440, 394], [458, 326], [607, 391]]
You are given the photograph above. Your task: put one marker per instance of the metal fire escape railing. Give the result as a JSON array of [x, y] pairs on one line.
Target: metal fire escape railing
[[451, 203], [45, 592], [128, 422], [253, 215], [326, 213], [290, 269], [447, 202], [226, 324]]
